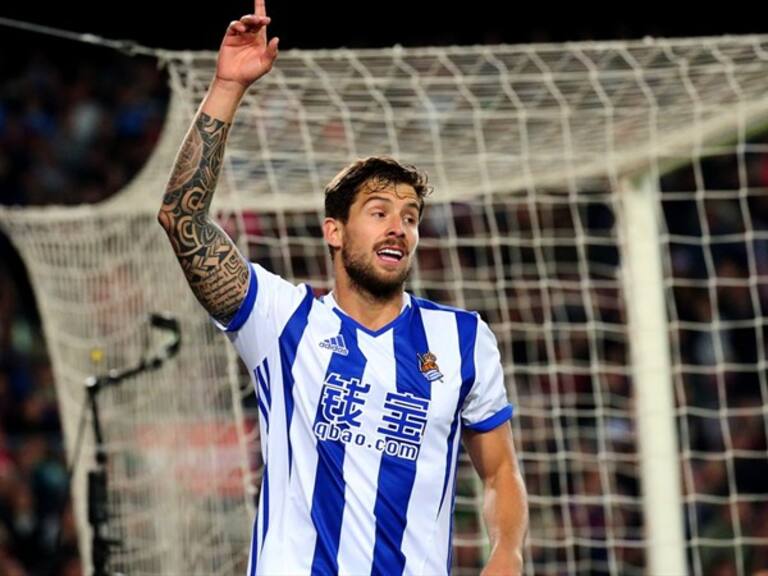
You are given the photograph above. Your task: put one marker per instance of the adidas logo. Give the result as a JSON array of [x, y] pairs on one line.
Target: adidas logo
[[335, 344]]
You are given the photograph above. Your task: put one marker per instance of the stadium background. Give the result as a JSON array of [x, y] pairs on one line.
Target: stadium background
[[106, 110]]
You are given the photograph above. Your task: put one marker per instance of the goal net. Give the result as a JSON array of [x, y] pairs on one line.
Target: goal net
[[604, 206]]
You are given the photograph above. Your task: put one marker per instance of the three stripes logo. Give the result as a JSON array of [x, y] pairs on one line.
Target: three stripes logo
[[335, 344]]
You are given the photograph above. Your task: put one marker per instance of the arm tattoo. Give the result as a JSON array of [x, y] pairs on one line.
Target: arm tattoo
[[215, 269]]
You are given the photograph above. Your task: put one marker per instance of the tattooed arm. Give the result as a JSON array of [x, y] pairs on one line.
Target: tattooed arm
[[215, 269]]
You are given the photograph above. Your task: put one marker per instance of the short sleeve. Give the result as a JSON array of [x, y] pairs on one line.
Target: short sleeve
[[268, 304], [486, 405]]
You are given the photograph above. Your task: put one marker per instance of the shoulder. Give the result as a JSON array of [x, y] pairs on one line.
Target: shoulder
[[276, 297], [472, 328], [267, 279], [425, 304]]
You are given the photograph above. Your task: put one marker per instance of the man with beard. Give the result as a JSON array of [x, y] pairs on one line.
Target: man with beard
[[364, 394]]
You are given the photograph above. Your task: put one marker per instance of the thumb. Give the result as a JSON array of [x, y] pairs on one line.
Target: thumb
[[272, 47]]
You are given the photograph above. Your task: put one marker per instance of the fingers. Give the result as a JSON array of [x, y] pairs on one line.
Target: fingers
[[260, 8], [248, 24], [236, 27], [257, 24], [255, 20], [272, 47]]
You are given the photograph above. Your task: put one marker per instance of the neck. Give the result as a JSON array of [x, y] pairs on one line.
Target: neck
[[371, 312]]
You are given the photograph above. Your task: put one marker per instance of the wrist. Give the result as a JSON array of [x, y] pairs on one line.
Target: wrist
[[232, 88], [509, 552], [222, 99]]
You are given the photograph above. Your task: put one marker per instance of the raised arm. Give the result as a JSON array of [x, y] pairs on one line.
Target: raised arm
[[216, 271]]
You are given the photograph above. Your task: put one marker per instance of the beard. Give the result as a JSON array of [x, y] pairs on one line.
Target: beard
[[364, 277]]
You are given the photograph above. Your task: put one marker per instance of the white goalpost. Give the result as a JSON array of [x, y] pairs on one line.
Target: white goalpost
[[604, 206]]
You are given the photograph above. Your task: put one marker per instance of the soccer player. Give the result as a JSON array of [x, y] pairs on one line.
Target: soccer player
[[365, 394]]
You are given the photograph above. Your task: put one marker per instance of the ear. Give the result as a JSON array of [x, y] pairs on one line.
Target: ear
[[333, 232]]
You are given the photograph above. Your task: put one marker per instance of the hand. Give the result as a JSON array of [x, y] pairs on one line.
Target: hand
[[245, 54]]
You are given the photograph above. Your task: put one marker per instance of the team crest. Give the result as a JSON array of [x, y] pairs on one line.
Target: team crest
[[428, 366]]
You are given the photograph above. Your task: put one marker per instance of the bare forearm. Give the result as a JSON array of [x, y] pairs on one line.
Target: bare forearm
[[214, 268], [222, 100], [505, 510]]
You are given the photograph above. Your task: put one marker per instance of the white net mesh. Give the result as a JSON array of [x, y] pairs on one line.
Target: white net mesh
[[716, 245], [530, 149]]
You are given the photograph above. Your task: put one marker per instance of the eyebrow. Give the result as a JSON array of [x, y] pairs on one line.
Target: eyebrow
[[389, 200]]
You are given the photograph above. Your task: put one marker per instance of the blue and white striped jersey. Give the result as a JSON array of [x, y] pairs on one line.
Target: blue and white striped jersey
[[360, 429]]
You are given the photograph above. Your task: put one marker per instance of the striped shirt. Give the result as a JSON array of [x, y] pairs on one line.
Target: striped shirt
[[360, 428]]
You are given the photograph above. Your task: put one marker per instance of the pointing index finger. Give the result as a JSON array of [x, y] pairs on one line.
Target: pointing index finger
[[260, 8]]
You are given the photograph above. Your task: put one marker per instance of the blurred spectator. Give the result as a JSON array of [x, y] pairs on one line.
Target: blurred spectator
[[76, 129], [72, 130]]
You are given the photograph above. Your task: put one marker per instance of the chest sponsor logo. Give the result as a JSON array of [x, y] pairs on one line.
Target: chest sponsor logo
[[401, 428]]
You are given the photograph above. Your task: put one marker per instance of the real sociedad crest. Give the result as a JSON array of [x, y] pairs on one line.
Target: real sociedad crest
[[428, 366]]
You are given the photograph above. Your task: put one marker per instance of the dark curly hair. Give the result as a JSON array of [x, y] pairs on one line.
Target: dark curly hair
[[341, 192]]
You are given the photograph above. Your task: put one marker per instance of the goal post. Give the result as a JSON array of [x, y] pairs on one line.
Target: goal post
[[652, 375]]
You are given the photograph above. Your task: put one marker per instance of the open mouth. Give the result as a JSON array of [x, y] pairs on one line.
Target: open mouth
[[390, 254]]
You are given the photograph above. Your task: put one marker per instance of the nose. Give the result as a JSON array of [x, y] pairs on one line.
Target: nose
[[396, 228]]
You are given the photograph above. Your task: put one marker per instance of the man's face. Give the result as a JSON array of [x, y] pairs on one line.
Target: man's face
[[380, 237]]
